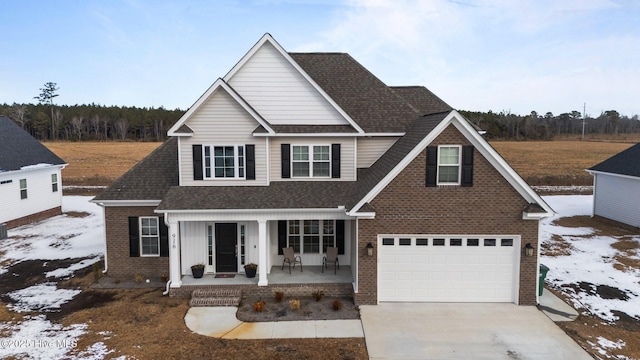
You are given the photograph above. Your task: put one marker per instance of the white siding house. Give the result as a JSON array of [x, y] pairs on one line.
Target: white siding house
[[30, 177], [616, 187]]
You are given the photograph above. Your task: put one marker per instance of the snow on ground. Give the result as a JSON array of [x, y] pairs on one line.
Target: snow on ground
[[60, 237], [591, 261]]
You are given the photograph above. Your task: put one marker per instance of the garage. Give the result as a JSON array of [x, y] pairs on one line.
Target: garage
[[451, 268]]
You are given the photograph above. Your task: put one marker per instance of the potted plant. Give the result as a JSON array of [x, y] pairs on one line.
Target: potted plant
[[250, 270], [197, 270]]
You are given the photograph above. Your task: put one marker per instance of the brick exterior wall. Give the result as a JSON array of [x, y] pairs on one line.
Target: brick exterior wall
[[34, 217], [492, 207], [119, 263]]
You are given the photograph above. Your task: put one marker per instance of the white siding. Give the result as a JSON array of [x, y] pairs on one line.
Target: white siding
[[222, 121], [616, 198], [370, 149], [40, 196], [280, 93], [347, 156]]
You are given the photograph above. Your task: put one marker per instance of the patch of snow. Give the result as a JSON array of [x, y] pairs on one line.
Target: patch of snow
[[608, 344], [59, 237], [97, 351], [573, 188], [36, 166], [70, 187], [591, 260], [41, 297], [68, 271], [38, 338]]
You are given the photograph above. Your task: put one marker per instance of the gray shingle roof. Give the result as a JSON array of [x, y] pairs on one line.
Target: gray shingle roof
[[19, 149], [423, 100], [368, 101], [150, 179], [626, 162]]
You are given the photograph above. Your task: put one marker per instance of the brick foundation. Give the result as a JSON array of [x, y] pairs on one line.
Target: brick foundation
[[491, 206], [289, 290], [42, 215]]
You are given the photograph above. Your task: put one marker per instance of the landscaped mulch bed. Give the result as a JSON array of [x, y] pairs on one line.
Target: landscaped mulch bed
[[310, 309]]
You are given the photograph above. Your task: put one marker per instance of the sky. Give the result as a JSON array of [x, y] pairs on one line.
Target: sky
[[478, 55]]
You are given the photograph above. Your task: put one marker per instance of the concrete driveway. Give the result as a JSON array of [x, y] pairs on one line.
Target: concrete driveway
[[464, 331]]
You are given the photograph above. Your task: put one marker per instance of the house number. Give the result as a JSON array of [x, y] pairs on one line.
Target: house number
[[173, 241]]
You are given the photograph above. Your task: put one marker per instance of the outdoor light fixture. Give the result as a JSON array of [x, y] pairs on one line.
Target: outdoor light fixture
[[528, 250], [370, 249]]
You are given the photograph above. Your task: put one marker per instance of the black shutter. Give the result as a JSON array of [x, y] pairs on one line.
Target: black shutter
[[250, 153], [467, 166], [282, 235], [285, 152], [340, 236], [335, 161], [134, 240], [164, 238], [432, 166], [197, 162]]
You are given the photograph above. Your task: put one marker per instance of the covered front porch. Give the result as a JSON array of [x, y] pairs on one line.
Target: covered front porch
[[225, 241]]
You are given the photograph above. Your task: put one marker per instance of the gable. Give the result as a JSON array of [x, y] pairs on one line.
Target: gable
[[280, 93], [455, 120]]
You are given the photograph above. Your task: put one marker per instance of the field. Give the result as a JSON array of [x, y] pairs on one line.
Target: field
[[538, 162]]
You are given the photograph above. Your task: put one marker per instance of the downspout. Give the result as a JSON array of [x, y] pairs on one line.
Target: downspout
[[166, 292], [104, 223]]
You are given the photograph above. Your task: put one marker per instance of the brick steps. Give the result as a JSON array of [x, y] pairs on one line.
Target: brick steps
[[215, 297]]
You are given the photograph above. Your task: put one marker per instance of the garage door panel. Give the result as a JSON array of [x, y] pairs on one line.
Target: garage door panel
[[448, 273]]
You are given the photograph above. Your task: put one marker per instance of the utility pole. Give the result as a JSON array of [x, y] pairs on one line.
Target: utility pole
[[584, 118]]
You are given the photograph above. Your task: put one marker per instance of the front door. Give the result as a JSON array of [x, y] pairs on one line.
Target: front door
[[226, 242]]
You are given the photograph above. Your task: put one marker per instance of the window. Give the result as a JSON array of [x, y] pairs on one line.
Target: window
[[489, 242], [472, 242], [23, 188], [243, 243], [228, 162], [149, 236], [422, 242], [388, 241], [506, 242], [54, 182], [438, 242], [455, 242], [311, 161], [311, 236], [404, 242], [449, 165]]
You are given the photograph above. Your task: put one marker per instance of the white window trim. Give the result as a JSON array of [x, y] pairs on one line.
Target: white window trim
[[25, 189], [310, 161], [459, 165], [236, 162], [320, 234], [54, 183], [140, 236]]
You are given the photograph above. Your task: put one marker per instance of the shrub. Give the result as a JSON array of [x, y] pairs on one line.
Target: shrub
[[318, 295], [279, 296], [294, 304], [139, 278], [258, 306], [116, 281], [96, 272], [336, 305], [164, 278]]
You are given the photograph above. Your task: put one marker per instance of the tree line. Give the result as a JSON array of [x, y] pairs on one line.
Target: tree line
[[508, 126], [92, 122]]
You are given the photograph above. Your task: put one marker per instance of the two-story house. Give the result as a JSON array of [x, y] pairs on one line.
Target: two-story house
[[310, 150]]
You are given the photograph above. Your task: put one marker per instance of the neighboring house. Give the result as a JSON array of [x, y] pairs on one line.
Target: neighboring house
[[311, 150], [30, 180], [616, 187]]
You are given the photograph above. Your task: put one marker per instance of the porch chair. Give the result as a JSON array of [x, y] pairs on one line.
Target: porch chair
[[291, 258], [331, 257]]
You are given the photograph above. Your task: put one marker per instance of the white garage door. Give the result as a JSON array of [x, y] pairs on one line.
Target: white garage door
[[433, 268]]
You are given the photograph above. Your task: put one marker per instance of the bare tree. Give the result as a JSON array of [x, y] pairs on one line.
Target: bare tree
[[105, 122], [122, 128], [19, 114], [56, 119], [95, 125], [77, 122]]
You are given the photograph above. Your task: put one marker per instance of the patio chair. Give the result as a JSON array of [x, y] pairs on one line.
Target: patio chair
[[291, 258], [331, 257]]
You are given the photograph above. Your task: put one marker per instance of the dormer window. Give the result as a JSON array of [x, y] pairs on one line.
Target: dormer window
[[311, 160], [224, 162]]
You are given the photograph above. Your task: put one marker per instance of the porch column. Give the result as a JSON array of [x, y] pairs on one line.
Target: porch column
[[174, 255], [262, 253]]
